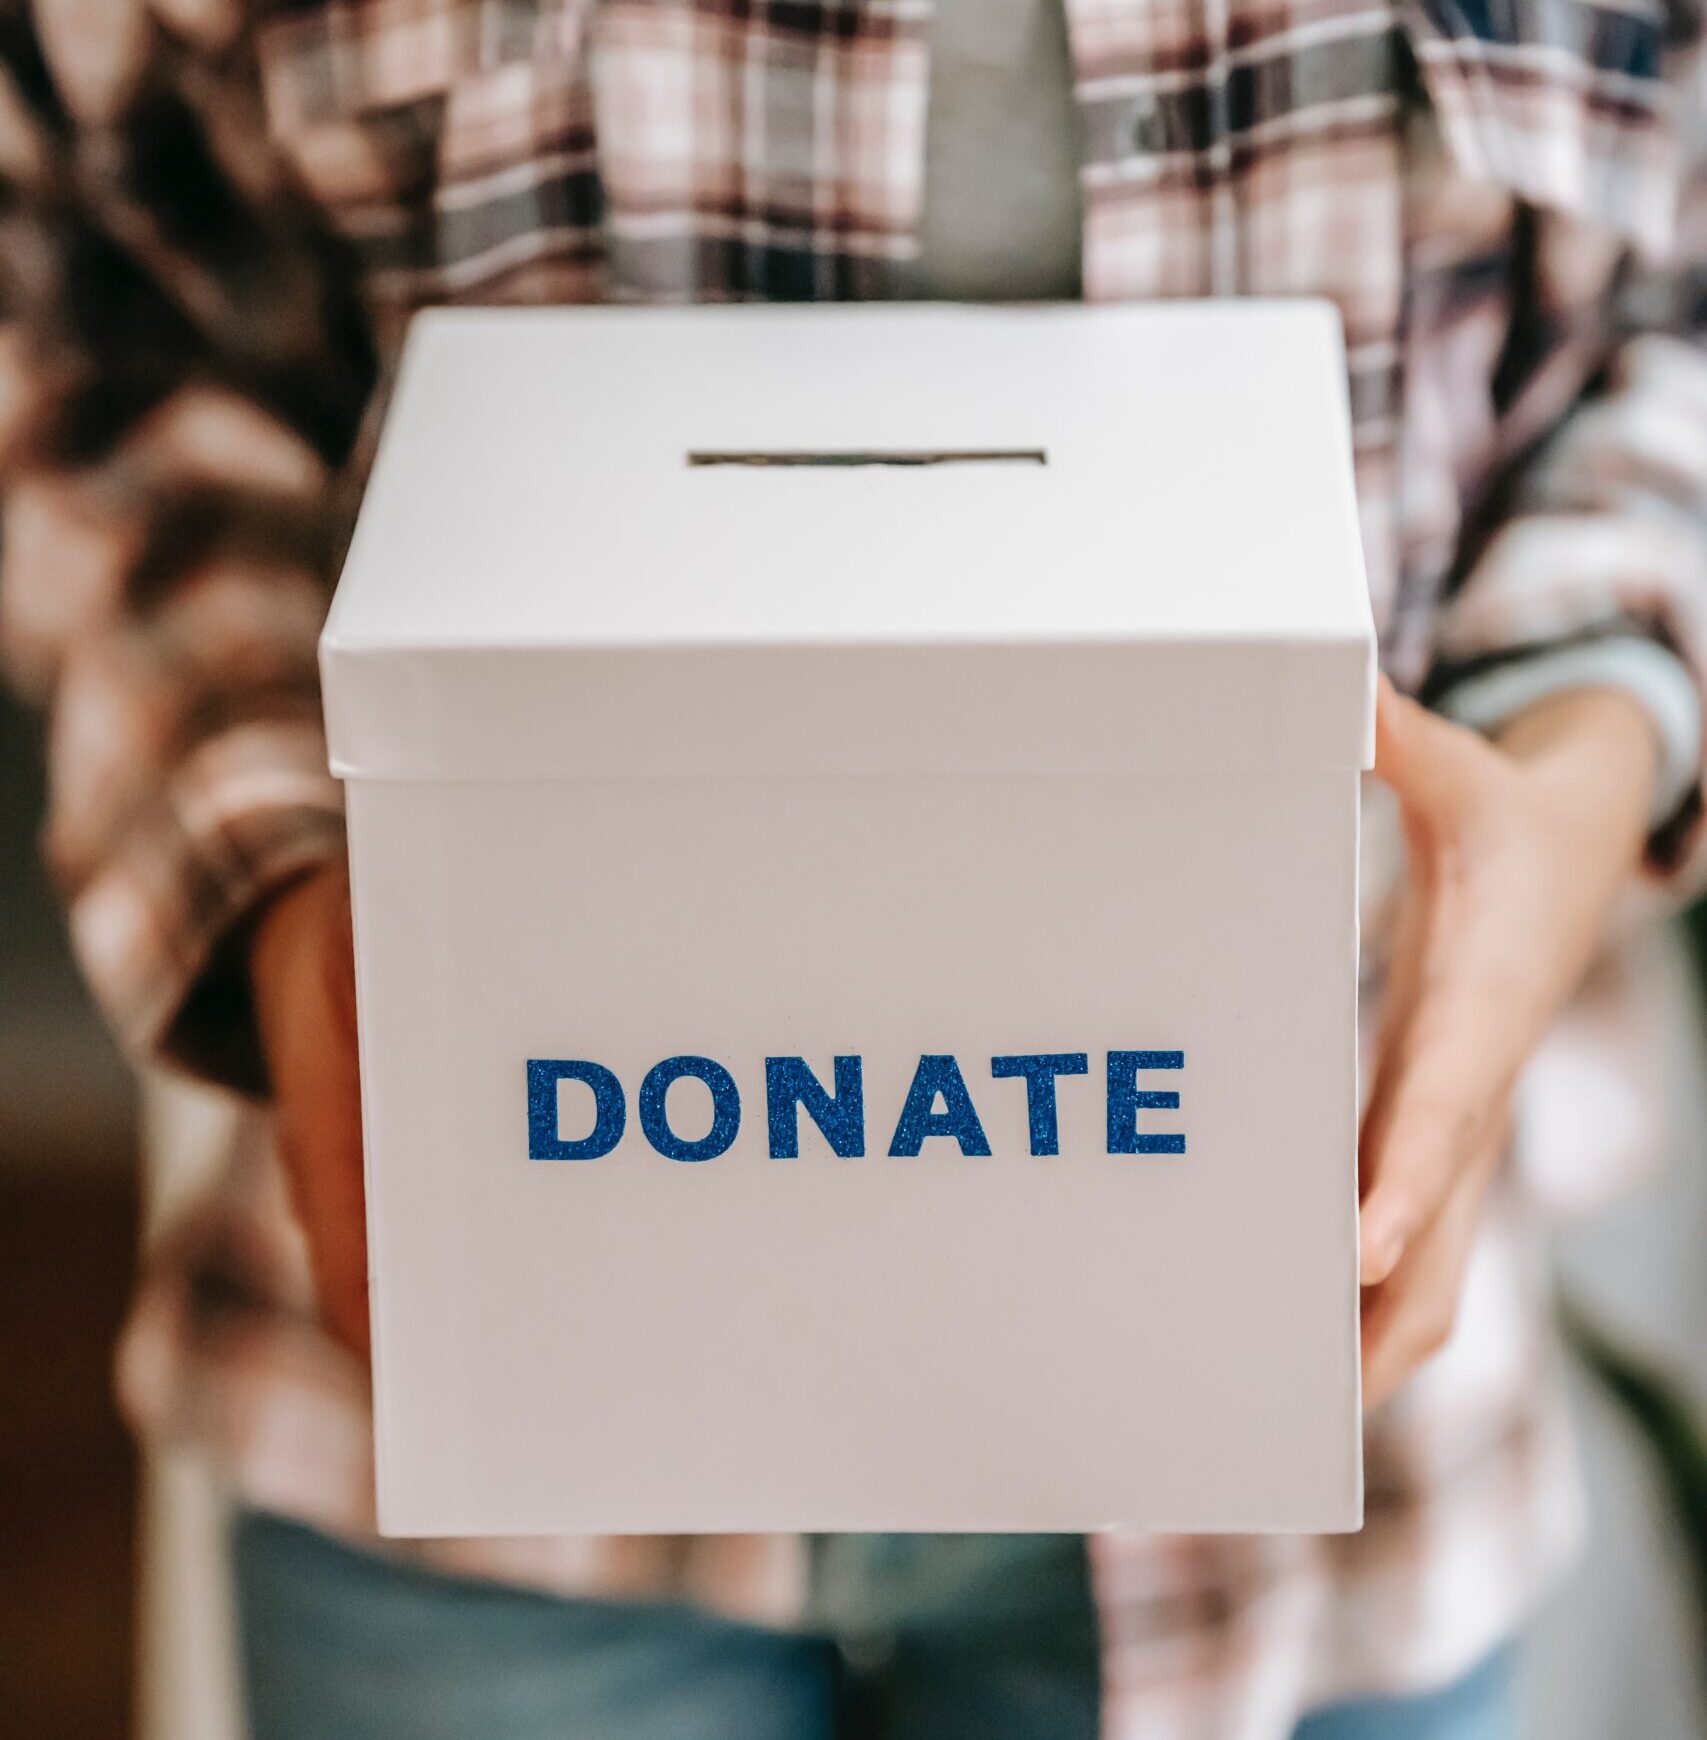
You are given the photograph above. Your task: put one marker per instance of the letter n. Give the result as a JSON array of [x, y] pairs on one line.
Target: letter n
[[790, 1088]]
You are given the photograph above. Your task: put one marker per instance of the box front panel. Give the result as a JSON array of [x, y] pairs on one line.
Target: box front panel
[[640, 1341]]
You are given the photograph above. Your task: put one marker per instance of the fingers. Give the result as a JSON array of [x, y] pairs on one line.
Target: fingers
[[1401, 997], [1458, 1020], [1456, 1032], [303, 976], [1508, 894], [1434, 1131], [323, 1167], [1410, 1317], [1429, 762]]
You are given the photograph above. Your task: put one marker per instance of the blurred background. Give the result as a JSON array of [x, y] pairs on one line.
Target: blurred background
[[68, 1234], [110, 1609]]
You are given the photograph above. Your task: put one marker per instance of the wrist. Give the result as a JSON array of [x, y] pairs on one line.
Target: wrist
[[1650, 673], [1572, 720]]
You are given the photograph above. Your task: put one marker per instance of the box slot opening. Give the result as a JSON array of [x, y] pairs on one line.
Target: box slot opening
[[874, 456]]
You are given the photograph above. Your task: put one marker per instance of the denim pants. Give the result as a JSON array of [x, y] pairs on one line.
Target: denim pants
[[908, 1637]]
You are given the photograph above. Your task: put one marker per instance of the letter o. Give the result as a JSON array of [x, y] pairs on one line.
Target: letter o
[[725, 1108]]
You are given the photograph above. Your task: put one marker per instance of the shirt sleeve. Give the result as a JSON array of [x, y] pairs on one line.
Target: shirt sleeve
[[1601, 537], [1657, 680], [184, 367]]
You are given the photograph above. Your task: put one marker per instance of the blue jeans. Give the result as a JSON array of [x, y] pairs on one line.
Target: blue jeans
[[908, 1638]]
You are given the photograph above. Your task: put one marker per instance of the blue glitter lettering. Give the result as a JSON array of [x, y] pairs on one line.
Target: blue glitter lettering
[[1126, 1099], [938, 1074], [1040, 1069], [725, 1108], [790, 1088], [610, 1109]]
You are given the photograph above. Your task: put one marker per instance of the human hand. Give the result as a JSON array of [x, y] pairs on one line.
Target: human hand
[[1517, 849], [302, 969]]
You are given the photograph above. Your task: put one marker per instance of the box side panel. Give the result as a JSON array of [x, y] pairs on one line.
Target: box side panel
[[939, 1341]]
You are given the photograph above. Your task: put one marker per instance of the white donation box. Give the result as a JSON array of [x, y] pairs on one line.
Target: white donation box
[[853, 823]]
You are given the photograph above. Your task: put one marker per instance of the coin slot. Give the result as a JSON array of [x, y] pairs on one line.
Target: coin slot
[[904, 456]]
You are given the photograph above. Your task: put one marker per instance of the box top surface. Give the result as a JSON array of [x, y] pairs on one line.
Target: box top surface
[[1154, 477]]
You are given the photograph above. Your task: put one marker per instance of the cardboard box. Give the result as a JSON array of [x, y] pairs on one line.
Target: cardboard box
[[853, 815]]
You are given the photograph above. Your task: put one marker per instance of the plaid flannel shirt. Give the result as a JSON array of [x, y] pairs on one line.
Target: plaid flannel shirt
[[214, 219]]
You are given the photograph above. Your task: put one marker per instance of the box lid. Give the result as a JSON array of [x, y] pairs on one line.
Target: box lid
[[857, 540]]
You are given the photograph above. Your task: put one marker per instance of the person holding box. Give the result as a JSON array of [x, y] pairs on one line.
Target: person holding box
[[217, 220]]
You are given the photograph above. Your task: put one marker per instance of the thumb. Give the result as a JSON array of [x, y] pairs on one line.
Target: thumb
[[1429, 762]]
